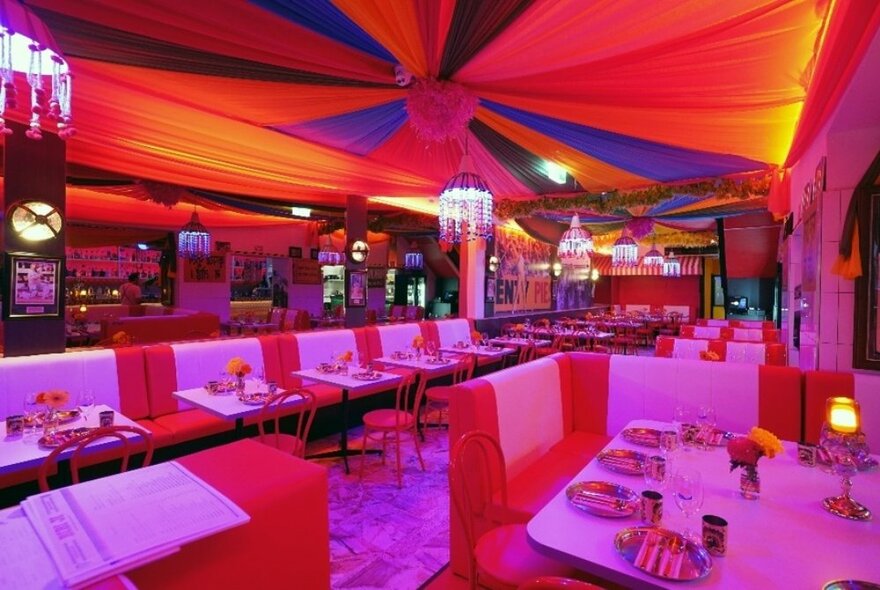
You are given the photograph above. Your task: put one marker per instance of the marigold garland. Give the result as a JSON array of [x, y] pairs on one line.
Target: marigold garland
[[724, 188]]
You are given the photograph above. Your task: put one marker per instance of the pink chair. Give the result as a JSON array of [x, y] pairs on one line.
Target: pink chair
[[438, 397], [80, 443], [399, 422], [500, 554], [302, 414]]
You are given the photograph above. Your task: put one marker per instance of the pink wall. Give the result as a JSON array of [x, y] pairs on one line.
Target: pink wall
[[657, 291]]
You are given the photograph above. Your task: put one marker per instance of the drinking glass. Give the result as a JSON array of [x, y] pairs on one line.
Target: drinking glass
[[655, 472], [260, 376], [484, 339], [687, 490], [86, 402], [430, 348], [682, 416], [706, 422], [30, 412]]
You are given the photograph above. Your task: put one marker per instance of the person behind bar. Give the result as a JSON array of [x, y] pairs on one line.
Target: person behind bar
[[130, 292]]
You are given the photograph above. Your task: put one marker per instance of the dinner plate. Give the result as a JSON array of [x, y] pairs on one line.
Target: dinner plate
[[367, 376], [62, 436], [438, 361], [256, 399], [602, 498], [64, 416], [622, 461], [850, 585], [663, 553], [645, 437], [717, 437]]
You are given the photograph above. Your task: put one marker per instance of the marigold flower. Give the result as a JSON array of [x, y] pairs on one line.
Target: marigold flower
[[53, 398], [765, 439]]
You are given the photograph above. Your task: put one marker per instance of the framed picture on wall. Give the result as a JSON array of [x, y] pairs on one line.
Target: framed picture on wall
[[356, 293], [295, 252], [35, 286], [313, 253], [490, 289]]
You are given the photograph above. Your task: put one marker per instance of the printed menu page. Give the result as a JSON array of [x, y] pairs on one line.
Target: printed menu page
[[108, 525]]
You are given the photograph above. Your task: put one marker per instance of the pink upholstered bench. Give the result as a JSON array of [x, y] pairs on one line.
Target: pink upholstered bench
[[760, 353]]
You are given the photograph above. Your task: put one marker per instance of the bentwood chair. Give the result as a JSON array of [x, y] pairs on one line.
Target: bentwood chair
[[79, 444], [437, 398], [301, 414], [556, 583], [400, 422], [555, 346], [500, 555]]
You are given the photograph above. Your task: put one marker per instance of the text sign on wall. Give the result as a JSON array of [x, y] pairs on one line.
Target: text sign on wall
[[512, 295], [306, 272], [205, 270]]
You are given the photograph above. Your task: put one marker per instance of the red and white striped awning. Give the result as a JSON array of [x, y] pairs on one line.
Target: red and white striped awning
[[690, 266]]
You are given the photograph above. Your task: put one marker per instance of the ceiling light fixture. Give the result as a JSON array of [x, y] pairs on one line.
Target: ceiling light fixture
[[576, 244], [466, 206], [625, 251], [194, 240]]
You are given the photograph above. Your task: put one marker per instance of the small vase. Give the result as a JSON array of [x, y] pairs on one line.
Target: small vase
[[750, 483], [239, 384], [50, 422]]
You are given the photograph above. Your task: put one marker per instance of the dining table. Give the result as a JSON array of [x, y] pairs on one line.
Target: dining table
[[518, 342], [783, 539], [349, 384], [228, 406], [491, 353], [24, 451]]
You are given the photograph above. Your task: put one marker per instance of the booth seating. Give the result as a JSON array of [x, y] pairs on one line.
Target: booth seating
[[286, 542], [749, 324], [726, 333], [147, 329], [759, 353], [575, 403], [101, 311]]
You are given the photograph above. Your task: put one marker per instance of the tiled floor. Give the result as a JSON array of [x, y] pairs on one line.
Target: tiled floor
[[382, 536]]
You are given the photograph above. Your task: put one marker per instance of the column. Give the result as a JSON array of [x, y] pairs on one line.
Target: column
[[472, 279], [34, 170], [355, 229]]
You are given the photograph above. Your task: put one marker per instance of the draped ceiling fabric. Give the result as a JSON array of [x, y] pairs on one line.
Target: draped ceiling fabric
[[295, 101]]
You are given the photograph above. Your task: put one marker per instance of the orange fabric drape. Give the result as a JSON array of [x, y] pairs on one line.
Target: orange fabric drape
[[850, 268], [779, 202]]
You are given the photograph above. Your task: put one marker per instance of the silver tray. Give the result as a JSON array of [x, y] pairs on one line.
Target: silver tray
[[603, 498], [367, 376], [645, 437], [622, 461], [62, 436], [850, 585], [255, 399], [438, 361], [695, 561], [717, 437]]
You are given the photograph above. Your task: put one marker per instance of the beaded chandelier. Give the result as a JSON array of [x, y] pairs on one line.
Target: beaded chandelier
[[653, 257], [671, 266], [466, 206], [625, 251], [194, 240], [576, 244], [330, 256], [413, 259]]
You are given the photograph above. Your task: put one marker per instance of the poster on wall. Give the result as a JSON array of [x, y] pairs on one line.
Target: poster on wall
[[523, 277], [211, 269], [356, 294], [35, 286]]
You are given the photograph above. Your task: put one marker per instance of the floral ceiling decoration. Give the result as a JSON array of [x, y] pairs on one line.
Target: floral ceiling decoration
[[621, 95]]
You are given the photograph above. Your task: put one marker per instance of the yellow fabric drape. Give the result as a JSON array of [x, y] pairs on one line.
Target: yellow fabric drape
[[850, 268]]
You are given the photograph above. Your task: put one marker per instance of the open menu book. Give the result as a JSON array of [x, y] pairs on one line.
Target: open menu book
[[110, 525]]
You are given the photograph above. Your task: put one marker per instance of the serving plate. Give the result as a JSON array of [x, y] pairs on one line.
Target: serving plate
[[663, 553], [432, 361], [255, 399], [644, 437], [716, 437], [62, 436], [602, 498], [366, 376], [622, 461], [850, 585], [64, 416]]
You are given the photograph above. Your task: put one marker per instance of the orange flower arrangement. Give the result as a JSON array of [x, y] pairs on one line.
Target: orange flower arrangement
[[418, 342], [53, 398], [745, 451], [709, 355], [345, 357], [476, 336], [238, 367], [520, 328], [121, 339]]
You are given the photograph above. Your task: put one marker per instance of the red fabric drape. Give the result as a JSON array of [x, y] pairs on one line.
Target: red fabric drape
[[851, 28]]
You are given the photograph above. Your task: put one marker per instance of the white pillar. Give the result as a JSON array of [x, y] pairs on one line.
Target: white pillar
[[472, 279]]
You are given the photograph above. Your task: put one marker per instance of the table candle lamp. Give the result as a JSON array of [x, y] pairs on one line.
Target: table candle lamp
[[843, 439]]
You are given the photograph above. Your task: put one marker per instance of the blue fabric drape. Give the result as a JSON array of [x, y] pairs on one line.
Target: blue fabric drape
[[663, 163], [358, 132]]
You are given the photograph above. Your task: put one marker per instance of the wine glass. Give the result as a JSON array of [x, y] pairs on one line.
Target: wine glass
[[430, 348], [706, 421], [484, 339], [687, 490], [85, 403], [30, 413], [260, 376]]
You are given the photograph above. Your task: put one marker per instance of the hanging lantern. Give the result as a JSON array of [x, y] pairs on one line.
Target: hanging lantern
[[413, 259], [26, 46], [330, 256], [576, 244], [194, 241], [653, 257], [466, 206], [671, 266], [625, 251]]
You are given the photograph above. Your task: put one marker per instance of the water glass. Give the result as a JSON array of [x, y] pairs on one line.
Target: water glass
[[682, 417], [30, 412], [655, 472], [687, 491], [86, 402], [706, 421]]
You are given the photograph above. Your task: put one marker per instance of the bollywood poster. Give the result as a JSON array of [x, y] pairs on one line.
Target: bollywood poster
[[523, 278], [35, 286]]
